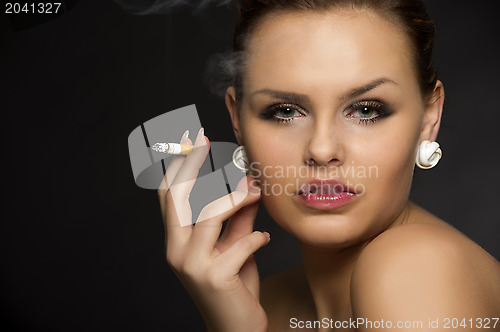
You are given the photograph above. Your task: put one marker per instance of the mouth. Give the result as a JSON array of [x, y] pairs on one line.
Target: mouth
[[325, 187], [325, 194]]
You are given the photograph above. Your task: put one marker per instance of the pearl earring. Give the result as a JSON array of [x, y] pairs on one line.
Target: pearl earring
[[428, 154], [240, 159]]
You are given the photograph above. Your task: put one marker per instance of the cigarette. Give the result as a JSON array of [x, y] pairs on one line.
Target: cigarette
[[173, 148]]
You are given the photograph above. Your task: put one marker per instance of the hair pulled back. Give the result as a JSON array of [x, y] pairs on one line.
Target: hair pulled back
[[410, 15]]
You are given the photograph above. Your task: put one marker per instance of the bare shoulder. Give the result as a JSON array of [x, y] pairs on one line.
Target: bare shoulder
[[429, 269], [286, 295]]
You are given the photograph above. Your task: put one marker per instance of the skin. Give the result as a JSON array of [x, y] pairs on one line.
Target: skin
[[336, 48], [378, 257], [366, 258]]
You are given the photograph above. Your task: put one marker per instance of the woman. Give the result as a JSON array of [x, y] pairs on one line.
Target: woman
[[334, 102]]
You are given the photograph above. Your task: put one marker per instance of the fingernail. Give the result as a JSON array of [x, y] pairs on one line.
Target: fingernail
[[185, 135], [267, 235], [200, 140], [255, 189]]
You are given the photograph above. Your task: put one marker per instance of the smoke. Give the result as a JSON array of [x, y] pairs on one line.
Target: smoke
[[149, 7], [222, 70]]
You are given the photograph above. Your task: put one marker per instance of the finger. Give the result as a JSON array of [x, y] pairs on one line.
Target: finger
[[178, 225], [174, 236], [184, 182], [249, 274], [170, 174], [246, 183], [209, 224], [227, 202], [237, 254], [186, 177], [240, 224]]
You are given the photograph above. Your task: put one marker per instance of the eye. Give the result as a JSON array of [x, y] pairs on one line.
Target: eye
[[283, 113], [368, 111]]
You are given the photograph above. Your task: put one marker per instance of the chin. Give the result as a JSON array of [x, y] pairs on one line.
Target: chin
[[324, 229], [343, 227], [332, 231]]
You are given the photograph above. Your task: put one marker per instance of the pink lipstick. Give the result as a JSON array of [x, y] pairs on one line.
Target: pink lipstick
[[325, 194]]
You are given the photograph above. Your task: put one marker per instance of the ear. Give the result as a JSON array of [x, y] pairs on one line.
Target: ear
[[432, 114], [232, 107]]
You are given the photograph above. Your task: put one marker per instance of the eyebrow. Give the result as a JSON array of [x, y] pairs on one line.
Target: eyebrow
[[296, 97], [367, 87]]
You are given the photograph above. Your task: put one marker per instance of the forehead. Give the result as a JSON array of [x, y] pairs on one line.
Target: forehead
[[309, 50]]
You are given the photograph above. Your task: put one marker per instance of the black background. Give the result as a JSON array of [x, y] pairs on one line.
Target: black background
[[82, 246]]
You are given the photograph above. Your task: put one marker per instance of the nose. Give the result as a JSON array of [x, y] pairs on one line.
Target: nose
[[325, 146]]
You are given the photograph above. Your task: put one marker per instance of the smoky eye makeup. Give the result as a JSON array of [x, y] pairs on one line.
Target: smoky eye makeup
[[368, 111], [364, 112], [282, 112]]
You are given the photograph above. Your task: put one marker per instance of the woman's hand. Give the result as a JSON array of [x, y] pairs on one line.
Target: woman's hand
[[219, 273]]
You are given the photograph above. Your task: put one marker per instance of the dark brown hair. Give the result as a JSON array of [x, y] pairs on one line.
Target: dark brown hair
[[411, 15]]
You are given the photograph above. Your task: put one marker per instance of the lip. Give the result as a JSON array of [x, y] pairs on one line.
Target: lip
[[325, 194]]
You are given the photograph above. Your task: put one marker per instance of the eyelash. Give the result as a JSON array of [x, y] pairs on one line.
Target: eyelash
[[270, 112], [373, 105]]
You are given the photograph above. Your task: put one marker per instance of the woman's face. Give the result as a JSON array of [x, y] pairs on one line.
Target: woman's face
[[331, 96]]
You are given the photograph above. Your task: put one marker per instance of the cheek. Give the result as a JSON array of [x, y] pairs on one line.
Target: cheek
[[390, 146], [393, 171], [392, 154], [390, 158], [274, 166], [276, 162], [268, 145]]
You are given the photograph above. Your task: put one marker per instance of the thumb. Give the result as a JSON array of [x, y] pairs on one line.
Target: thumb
[[238, 253], [240, 224]]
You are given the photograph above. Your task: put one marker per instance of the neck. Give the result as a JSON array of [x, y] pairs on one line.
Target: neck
[[329, 271]]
